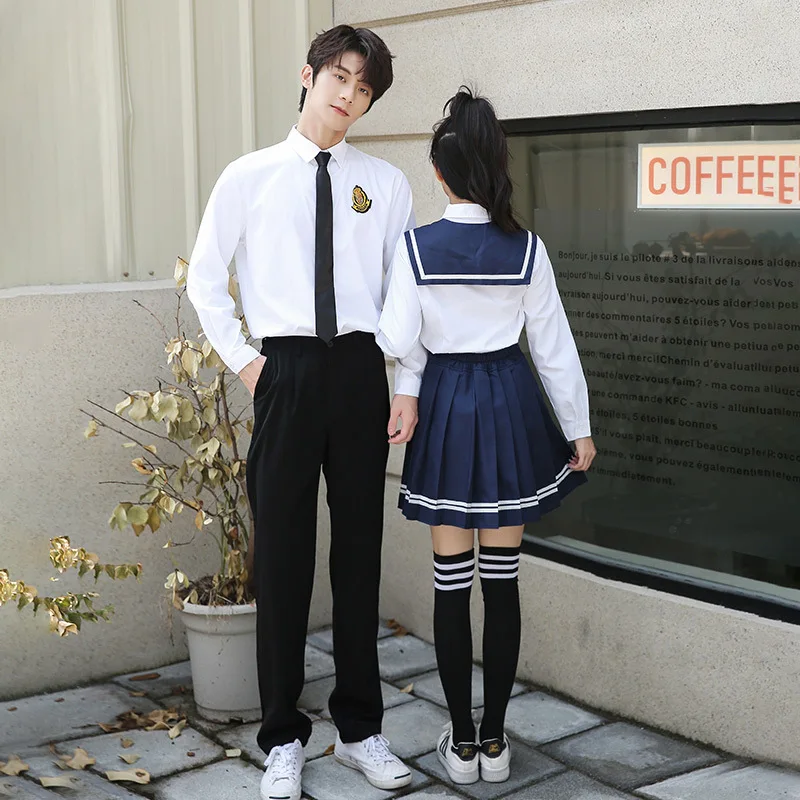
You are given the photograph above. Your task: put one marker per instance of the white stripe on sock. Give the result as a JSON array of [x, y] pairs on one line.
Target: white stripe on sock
[[456, 565], [502, 575], [451, 587]]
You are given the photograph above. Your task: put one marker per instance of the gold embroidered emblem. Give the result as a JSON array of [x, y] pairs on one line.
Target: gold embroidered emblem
[[361, 202], [494, 748]]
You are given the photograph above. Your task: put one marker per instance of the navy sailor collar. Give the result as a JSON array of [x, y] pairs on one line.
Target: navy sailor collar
[[459, 250]]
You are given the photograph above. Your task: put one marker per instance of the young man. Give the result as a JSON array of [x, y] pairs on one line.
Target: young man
[[312, 223]]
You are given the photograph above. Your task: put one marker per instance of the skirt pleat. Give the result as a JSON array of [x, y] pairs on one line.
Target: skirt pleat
[[485, 453]]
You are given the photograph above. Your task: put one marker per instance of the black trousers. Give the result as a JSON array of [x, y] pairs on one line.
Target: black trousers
[[318, 407]]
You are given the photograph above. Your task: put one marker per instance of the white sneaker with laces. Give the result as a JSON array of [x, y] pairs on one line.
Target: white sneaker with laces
[[381, 767], [284, 766], [495, 758], [460, 760]]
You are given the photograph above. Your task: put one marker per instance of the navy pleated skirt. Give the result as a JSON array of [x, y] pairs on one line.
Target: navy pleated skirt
[[485, 453]]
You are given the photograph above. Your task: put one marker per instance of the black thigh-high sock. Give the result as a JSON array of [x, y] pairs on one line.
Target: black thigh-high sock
[[453, 637], [498, 567]]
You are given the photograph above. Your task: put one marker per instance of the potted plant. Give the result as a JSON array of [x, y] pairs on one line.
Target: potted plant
[[186, 436]]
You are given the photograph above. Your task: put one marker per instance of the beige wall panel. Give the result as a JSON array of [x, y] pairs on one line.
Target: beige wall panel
[[158, 140], [220, 97], [411, 156], [685, 666], [280, 41], [51, 190], [282, 33], [59, 351], [581, 56], [356, 12]]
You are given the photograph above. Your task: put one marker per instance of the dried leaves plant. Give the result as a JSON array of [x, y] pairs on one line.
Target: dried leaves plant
[[185, 435], [67, 611]]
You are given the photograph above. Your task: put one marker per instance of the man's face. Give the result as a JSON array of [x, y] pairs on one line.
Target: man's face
[[338, 96]]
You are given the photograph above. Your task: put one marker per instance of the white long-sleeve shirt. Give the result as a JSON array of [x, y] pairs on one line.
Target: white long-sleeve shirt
[[262, 211], [459, 318]]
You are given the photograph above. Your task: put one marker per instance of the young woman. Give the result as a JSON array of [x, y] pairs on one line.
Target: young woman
[[485, 454]]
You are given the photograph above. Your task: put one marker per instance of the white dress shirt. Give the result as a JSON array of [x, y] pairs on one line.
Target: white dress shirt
[[262, 211], [461, 318]]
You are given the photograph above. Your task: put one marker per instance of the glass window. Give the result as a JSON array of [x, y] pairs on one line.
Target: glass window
[[688, 324]]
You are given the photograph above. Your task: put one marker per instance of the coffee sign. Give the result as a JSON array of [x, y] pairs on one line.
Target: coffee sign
[[733, 175]]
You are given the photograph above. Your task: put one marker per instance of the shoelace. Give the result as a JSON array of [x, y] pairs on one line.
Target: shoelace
[[284, 761], [377, 748]]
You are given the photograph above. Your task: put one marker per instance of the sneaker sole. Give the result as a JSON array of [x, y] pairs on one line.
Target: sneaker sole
[[378, 783], [462, 778], [495, 775], [281, 796]]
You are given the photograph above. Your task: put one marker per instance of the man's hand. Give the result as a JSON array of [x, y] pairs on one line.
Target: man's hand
[[250, 374], [404, 411], [584, 454]]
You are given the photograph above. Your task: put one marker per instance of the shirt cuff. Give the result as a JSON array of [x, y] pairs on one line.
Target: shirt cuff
[[405, 381], [239, 359], [577, 430]]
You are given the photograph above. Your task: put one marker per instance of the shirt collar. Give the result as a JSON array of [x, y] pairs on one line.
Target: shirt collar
[[307, 150], [471, 213]]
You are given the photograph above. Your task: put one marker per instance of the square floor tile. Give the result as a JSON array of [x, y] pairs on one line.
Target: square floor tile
[[315, 696], [231, 779], [537, 718], [527, 766], [64, 715], [318, 664], [166, 683], [402, 656], [323, 638], [86, 785], [430, 688], [323, 734], [730, 781], [626, 756], [185, 705], [569, 786], [435, 793], [414, 729], [20, 789], [160, 755], [327, 779]]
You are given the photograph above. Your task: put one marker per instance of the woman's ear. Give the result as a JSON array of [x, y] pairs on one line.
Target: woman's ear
[[438, 174]]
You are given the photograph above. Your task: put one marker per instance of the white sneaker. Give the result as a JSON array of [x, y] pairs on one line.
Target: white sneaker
[[495, 760], [381, 767], [284, 766], [460, 760]]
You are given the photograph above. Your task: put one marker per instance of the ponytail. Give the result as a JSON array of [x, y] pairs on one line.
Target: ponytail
[[470, 151]]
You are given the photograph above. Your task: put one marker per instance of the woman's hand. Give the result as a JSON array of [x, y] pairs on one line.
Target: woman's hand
[[584, 454], [404, 411]]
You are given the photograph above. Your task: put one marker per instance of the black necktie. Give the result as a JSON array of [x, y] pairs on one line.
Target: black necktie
[[324, 298]]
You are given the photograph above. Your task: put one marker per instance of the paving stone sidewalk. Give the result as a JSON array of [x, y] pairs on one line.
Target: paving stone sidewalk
[[561, 751]]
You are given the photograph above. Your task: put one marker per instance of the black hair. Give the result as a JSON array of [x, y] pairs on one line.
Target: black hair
[[470, 150], [328, 48]]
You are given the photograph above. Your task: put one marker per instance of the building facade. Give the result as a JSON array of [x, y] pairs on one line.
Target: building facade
[[670, 603]]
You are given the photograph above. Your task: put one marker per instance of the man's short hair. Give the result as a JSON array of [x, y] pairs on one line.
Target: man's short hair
[[328, 48]]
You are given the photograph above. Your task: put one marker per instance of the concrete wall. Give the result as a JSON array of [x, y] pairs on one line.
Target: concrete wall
[[719, 676]]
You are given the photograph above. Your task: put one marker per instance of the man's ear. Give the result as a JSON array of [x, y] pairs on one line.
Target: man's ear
[[307, 76]]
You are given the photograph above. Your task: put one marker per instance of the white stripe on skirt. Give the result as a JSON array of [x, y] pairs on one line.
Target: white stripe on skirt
[[486, 508]]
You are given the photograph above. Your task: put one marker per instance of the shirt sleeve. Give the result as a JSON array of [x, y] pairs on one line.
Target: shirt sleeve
[[401, 219], [207, 280], [400, 325], [553, 349]]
